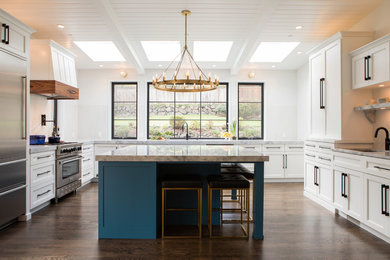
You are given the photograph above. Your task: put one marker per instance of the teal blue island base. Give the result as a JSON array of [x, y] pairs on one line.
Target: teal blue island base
[[130, 197]]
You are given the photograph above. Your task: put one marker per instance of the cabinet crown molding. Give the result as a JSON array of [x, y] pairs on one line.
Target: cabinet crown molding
[[16, 22], [369, 45]]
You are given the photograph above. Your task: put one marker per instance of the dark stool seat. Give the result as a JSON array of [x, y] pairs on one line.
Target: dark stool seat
[[182, 181], [238, 170], [228, 181]]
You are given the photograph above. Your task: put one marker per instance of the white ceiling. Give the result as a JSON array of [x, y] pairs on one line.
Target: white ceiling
[[245, 22]]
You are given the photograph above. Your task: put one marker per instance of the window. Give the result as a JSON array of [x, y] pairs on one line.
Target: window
[[206, 113], [124, 110], [250, 110]]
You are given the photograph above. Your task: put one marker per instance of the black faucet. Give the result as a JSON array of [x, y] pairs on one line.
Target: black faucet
[[387, 140], [182, 128]]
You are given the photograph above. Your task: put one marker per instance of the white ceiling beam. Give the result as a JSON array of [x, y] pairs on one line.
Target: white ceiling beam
[[120, 38], [250, 43]]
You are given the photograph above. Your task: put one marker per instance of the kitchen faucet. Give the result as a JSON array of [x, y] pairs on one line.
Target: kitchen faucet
[[387, 140], [182, 128]]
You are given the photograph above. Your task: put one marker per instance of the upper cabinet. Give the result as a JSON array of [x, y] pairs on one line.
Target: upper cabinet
[[14, 36], [370, 64], [332, 98]]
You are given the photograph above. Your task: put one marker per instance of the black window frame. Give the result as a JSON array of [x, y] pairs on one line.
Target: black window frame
[[262, 110], [112, 107], [149, 84]]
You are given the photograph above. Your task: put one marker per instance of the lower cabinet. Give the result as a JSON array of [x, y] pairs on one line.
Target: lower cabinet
[[87, 164], [376, 192], [347, 192], [274, 168], [318, 180]]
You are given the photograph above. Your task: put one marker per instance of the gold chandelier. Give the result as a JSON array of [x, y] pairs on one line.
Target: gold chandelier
[[194, 79]]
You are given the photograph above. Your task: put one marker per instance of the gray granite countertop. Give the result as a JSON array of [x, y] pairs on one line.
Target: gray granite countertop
[[183, 153], [375, 154], [196, 142]]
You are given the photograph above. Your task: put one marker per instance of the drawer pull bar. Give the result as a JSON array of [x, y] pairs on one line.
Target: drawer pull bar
[[43, 193], [310, 145], [326, 159], [381, 168], [42, 173], [310, 155], [86, 174], [324, 147], [86, 160], [272, 147], [43, 157], [295, 147]]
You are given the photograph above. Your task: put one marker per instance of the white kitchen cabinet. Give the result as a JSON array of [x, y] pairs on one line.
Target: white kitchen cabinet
[[285, 161], [42, 178], [87, 164], [376, 202], [310, 178], [14, 36], [371, 64], [64, 69], [332, 99], [325, 183], [347, 193]]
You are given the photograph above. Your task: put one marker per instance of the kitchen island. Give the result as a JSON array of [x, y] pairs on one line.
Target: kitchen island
[[130, 185]]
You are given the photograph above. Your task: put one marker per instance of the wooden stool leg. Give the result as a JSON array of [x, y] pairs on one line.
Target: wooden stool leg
[[163, 213], [200, 212], [248, 212], [210, 204]]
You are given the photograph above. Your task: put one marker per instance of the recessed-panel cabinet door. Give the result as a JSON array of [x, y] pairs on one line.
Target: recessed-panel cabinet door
[[354, 184], [373, 202], [294, 167], [332, 91], [379, 64], [338, 190], [274, 167], [317, 66], [325, 177], [358, 71], [310, 178]]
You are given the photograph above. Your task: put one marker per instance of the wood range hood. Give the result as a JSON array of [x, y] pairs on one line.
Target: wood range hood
[[53, 89], [53, 71]]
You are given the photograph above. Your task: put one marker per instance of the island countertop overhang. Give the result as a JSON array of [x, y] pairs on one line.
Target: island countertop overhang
[[183, 153]]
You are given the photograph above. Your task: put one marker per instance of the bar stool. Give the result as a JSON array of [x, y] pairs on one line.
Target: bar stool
[[182, 182], [223, 182], [249, 175]]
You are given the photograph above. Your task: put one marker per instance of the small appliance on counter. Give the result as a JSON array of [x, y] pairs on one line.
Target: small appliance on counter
[[37, 139], [55, 136]]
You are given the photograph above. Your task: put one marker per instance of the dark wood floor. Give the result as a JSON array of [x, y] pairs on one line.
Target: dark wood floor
[[295, 228]]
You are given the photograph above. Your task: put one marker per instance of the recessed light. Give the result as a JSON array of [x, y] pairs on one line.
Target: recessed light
[[100, 65], [299, 52], [273, 51], [299, 27], [60, 26], [381, 85], [273, 66], [214, 65], [123, 74], [100, 50]]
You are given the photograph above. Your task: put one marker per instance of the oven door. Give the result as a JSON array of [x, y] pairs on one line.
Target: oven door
[[68, 170]]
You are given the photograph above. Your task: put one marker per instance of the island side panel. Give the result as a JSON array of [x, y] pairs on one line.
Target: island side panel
[[127, 200], [258, 201]]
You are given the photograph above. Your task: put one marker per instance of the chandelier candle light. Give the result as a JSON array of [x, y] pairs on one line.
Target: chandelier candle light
[[193, 80]]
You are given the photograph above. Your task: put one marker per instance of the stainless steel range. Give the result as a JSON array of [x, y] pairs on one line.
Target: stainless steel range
[[68, 168]]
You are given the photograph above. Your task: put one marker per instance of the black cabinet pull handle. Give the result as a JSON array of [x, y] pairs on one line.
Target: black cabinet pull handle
[[286, 160], [43, 193], [382, 168], [345, 183], [322, 106], [365, 68], [386, 209], [5, 33], [316, 175], [382, 188], [42, 173], [368, 67], [7, 42]]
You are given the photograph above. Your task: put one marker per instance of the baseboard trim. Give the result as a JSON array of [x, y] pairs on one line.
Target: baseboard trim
[[283, 180], [323, 203]]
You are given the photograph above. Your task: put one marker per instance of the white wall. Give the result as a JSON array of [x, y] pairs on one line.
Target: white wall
[[40, 105], [303, 102], [94, 121]]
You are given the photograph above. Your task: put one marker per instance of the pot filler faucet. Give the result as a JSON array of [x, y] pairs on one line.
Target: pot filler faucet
[[387, 140], [182, 128]]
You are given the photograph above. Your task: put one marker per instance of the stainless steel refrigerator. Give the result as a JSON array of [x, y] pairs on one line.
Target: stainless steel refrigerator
[[13, 136]]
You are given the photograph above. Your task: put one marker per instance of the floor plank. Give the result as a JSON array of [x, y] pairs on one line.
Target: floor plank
[[295, 228]]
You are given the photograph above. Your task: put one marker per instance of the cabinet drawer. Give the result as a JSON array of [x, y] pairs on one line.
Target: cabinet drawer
[[87, 175], [42, 173], [294, 148], [45, 157], [87, 160], [88, 148], [310, 146], [42, 194], [348, 161], [309, 155], [378, 167], [16, 38], [325, 148], [325, 159], [273, 148]]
